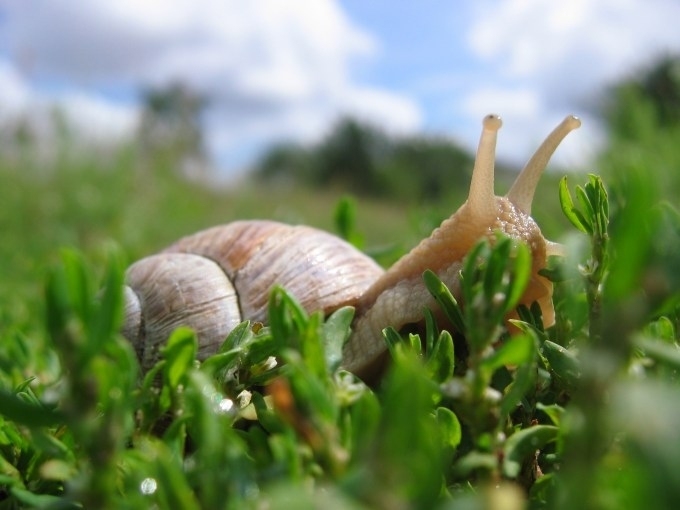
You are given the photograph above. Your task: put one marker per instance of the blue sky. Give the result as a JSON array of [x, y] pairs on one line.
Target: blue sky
[[278, 70]]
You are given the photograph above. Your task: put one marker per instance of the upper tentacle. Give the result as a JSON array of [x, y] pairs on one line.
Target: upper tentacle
[[481, 199], [522, 191]]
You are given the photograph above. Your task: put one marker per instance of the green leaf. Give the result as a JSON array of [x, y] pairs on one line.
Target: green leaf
[[475, 460], [555, 412], [660, 351], [173, 489], [495, 268], [604, 198], [393, 339], [521, 276], [524, 443], [451, 430], [345, 221], [336, 331], [662, 328], [58, 307], [542, 490], [517, 390], [409, 445], [9, 474], [364, 421], [588, 208], [284, 451], [262, 346], [179, 353], [515, 351], [269, 420], [567, 204], [287, 318], [312, 346], [530, 320], [221, 361], [415, 343], [78, 284], [237, 336], [563, 363], [445, 299], [430, 330], [597, 196], [441, 360], [29, 414], [470, 264], [109, 316], [632, 238], [31, 500]]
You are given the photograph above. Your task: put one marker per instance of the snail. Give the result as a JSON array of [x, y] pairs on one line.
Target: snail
[[216, 278]]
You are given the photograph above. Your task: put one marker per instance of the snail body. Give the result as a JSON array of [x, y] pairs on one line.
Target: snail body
[[216, 278]]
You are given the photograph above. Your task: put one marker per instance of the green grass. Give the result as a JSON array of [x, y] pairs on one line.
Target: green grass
[[581, 415], [93, 202]]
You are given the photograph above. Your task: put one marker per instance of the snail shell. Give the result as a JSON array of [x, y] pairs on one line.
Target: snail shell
[[216, 278]]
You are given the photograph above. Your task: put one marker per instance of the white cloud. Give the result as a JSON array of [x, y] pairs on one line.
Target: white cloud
[[549, 59], [520, 101], [93, 118], [397, 114], [97, 120], [270, 69], [584, 40], [14, 95]]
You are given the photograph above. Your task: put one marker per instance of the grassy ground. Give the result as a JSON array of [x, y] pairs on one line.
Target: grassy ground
[[90, 202]]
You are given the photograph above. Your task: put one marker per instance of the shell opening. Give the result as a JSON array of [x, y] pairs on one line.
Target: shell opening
[[522, 191], [481, 197]]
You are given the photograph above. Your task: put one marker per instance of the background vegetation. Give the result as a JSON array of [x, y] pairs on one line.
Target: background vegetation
[[585, 417]]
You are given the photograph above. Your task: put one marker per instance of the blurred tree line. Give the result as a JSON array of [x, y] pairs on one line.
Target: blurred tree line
[[649, 96], [170, 131], [641, 114], [362, 159]]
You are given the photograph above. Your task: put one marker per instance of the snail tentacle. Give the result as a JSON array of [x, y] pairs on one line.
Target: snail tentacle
[[481, 195], [522, 191]]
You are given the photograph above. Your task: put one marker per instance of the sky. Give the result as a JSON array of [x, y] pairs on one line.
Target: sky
[[276, 70]]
